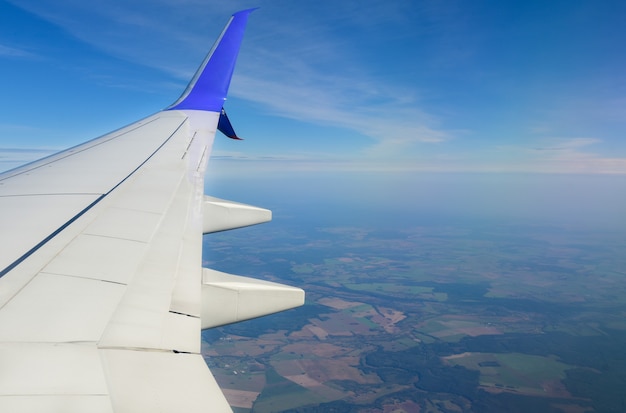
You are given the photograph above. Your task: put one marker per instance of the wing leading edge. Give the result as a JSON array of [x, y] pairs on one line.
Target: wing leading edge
[[102, 294]]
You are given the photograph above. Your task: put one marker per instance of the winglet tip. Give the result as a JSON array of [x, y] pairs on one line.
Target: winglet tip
[[246, 11], [209, 86]]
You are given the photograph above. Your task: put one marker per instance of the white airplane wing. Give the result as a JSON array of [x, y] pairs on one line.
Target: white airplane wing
[[102, 294]]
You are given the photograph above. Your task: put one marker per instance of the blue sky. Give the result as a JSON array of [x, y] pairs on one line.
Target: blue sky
[[452, 86]]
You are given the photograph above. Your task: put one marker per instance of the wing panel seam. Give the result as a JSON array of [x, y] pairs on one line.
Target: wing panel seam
[[81, 213]]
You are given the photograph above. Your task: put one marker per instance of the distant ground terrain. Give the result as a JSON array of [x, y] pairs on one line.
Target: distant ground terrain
[[432, 318]]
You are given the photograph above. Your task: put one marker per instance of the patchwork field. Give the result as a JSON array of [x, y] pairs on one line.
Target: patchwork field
[[515, 372], [434, 320]]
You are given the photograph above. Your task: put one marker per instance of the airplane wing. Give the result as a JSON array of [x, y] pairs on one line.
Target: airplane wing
[[102, 294]]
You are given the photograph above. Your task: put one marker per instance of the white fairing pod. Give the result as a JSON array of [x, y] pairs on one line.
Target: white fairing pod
[[228, 298], [222, 215]]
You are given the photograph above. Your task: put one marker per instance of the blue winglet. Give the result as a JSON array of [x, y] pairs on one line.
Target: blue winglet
[[209, 86]]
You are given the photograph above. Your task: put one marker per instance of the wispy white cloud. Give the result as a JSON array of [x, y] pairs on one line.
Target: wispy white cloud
[[302, 62], [308, 77], [566, 145], [333, 101], [13, 52], [152, 33], [6, 153], [561, 155], [553, 156]]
